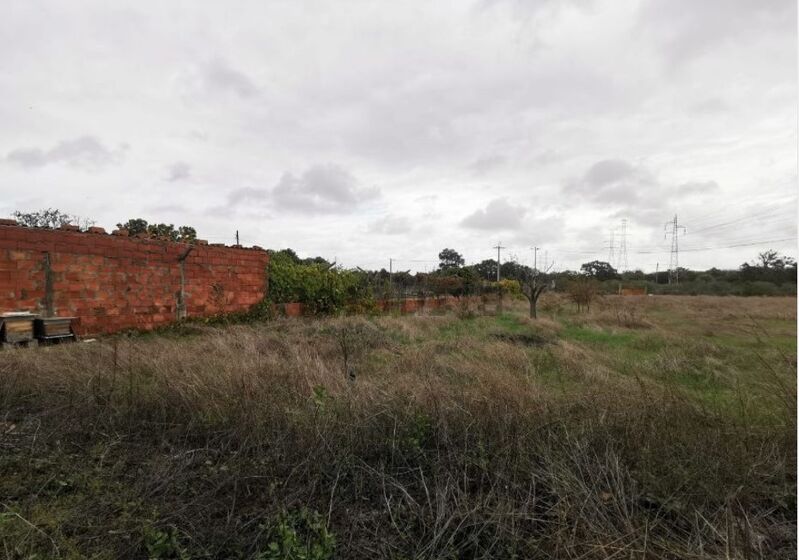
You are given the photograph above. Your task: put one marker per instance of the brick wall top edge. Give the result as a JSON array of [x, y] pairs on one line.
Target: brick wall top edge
[[88, 235]]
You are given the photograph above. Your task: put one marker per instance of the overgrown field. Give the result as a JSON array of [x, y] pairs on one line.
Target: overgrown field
[[660, 427]]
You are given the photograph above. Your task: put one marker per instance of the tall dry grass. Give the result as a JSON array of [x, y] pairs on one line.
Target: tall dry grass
[[421, 447]]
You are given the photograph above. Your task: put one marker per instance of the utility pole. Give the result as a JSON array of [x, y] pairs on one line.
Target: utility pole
[[498, 247], [237, 237], [673, 228], [657, 271], [535, 259]]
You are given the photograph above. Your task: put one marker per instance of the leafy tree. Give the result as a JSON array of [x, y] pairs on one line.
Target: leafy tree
[[486, 270], [187, 233], [769, 267], [286, 253], [134, 226], [515, 271], [771, 260], [441, 284], [403, 281], [450, 258], [599, 270], [138, 226], [318, 260], [51, 218]]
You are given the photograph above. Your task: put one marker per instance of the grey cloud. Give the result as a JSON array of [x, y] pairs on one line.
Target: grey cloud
[[608, 171], [546, 157], [710, 106], [487, 164], [220, 76], [84, 151], [498, 215], [178, 171], [614, 181], [686, 32], [390, 225], [247, 195], [321, 189]]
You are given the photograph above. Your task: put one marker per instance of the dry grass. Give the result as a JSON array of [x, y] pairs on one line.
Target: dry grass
[[626, 433]]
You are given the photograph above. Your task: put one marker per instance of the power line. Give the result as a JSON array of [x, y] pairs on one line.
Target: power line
[[746, 201], [759, 216], [699, 249]]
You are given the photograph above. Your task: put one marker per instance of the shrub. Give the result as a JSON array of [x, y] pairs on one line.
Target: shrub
[[321, 288]]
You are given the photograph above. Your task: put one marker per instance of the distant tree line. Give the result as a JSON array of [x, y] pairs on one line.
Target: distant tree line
[[327, 287], [769, 274]]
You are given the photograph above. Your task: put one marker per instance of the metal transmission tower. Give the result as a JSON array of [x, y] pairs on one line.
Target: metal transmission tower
[[622, 265], [498, 247], [673, 228], [612, 246]]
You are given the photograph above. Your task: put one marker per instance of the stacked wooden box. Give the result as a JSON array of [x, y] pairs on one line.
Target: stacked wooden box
[[17, 327], [53, 328], [27, 328]]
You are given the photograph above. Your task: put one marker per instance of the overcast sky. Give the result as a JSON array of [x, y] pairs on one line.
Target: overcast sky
[[373, 130]]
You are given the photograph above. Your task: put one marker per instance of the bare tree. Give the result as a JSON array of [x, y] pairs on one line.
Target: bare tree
[[533, 286], [582, 291]]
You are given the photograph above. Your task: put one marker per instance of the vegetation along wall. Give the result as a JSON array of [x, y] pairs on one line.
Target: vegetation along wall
[[113, 282]]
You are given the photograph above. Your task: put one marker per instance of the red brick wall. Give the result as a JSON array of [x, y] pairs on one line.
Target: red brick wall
[[113, 282]]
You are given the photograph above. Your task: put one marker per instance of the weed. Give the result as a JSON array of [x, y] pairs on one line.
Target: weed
[[299, 536], [163, 544]]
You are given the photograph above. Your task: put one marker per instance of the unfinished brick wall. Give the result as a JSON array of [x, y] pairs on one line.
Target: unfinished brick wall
[[113, 282]]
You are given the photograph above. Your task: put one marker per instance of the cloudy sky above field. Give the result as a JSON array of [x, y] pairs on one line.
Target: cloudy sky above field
[[370, 130]]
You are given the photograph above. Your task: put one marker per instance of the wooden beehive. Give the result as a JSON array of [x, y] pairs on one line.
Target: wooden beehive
[[17, 327], [47, 328]]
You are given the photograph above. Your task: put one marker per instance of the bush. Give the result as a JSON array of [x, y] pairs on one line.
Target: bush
[[759, 288], [321, 288]]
